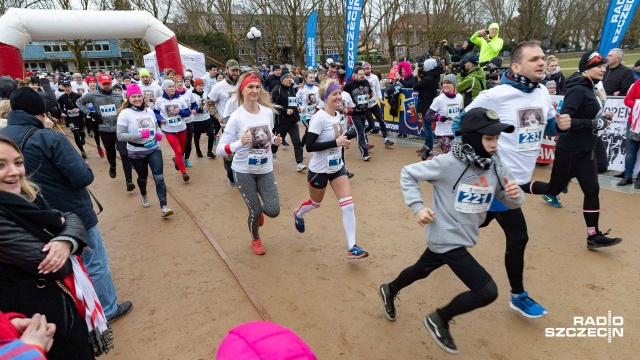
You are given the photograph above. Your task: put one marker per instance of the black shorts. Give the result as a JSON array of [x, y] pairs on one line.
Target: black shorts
[[320, 180]]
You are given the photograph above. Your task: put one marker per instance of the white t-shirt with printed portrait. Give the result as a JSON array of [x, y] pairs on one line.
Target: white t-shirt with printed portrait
[[448, 108], [170, 111], [328, 128]]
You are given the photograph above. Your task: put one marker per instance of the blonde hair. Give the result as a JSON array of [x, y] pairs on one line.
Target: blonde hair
[[264, 99], [551, 59], [28, 190], [325, 86]]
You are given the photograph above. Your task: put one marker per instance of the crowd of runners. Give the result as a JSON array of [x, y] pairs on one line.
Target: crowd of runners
[[488, 142]]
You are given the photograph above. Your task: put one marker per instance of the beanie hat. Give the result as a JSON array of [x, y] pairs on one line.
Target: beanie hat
[[451, 78], [144, 72], [591, 59], [260, 340], [7, 86], [126, 76], [550, 83], [27, 100], [133, 89], [430, 64], [116, 87], [198, 82], [90, 79], [167, 83], [285, 74]]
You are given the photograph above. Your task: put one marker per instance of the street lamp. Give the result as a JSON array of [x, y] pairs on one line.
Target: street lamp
[[254, 35]]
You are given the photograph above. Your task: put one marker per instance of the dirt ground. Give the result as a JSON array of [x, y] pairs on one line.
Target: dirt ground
[[186, 299]]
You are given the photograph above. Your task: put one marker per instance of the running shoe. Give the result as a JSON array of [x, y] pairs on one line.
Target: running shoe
[[388, 143], [301, 167], [130, 186], [636, 185], [84, 154], [370, 146], [215, 140], [601, 240], [90, 135], [356, 252], [211, 155], [175, 164], [112, 172], [100, 152], [232, 184], [350, 175], [145, 201], [261, 221], [257, 247], [275, 158], [166, 211], [199, 154], [625, 182], [188, 163], [366, 158], [553, 201], [185, 177], [526, 306], [439, 331], [387, 300], [299, 222]]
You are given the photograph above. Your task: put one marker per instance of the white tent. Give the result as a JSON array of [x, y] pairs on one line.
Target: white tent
[[191, 59]]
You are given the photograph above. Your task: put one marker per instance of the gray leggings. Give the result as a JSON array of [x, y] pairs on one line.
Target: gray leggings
[[250, 185]]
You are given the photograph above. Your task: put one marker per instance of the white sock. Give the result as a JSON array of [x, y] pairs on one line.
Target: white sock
[[307, 206], [348, 220]]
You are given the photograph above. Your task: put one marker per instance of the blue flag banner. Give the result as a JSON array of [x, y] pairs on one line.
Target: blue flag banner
[[354, 12], [616, 24], [312, 47]]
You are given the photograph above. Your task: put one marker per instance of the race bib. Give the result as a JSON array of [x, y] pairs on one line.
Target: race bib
[[311, 109], [108, 110], [529, 138], [362, 99], [174, 121], [334, 160], [453, 110], [70, 113], [473, 199], [292, 102], [257, 159]]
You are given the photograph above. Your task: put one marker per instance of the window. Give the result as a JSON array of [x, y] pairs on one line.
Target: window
[[47, 48], [92, 64], [282, 39], [56, 48], [64, 47], [101, 63], [34, 65], [42, 65], [242, 52], [89, 47]]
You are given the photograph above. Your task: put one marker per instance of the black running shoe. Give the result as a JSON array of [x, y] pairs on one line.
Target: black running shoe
[[122, 310], [199, 154], [439, 331], [130, 186], [387, 300], [211, 155], [112, 172], [601, 240]]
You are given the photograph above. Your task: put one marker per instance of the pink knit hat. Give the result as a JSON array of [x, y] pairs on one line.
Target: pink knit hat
[[260, 340], [133, 89]]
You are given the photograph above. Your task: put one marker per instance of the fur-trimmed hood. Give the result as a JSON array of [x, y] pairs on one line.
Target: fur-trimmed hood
[[407, 66]]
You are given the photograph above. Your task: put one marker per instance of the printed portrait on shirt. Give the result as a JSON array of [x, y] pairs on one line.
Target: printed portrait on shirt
[[531, 118], [148, 95], [144, 123], [311, 99], [338, 130], [172, 110], [260, 137]]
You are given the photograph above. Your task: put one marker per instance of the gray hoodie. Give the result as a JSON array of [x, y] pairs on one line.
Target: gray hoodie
[[105, 105], [450, 178]]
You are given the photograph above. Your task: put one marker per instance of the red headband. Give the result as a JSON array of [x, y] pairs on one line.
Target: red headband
[[249, 79]]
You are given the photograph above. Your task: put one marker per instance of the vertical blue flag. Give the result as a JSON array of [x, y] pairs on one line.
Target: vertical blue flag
[[311, 39], [616, 23], [354, 12]]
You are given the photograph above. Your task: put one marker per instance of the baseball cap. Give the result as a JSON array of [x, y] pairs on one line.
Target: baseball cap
[[64, 83], [483, 121], [329, 61], [472, 59], [232, 64], [104, 78], [366, 65]]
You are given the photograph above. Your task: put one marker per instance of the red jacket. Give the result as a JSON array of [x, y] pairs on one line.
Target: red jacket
[[7, 330], [632, 95]]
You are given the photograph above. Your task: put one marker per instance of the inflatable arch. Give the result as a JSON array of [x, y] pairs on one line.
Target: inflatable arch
[[18, 27]]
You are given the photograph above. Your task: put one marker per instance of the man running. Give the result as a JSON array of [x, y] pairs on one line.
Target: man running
[[374, 108]]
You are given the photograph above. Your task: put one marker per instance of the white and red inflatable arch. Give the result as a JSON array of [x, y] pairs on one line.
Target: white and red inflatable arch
[[18, 27]]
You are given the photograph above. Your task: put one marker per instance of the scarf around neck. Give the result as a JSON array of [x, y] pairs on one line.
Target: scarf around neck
[[36, 217], [466, 154]]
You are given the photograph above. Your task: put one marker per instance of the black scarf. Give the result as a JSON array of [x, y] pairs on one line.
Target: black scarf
[[521, 80], [35, 217], [466, 154]]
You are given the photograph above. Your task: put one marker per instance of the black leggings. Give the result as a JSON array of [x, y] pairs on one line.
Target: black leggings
[[514, 226], [187, 146], [111, 143], [568, 164], [483, 290], [216, 125], [96, 130], [200, 127], [77, 128], [377, 113]]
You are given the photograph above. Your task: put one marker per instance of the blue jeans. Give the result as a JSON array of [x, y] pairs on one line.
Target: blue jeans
[[153, 161], [428, 132], [631, 155], [97, 264]]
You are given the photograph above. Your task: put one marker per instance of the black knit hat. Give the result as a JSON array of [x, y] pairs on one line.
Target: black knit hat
[[27, 100], [591, 59], [7, 86]]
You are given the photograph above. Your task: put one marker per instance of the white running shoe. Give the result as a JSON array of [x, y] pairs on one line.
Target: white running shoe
[[301, 167], [275, 158], [166, 211], [145, 201]]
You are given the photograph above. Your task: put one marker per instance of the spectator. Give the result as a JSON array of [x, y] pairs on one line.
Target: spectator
[[7, 86], [404, 75], [555, 74], [460, 53], [23, 338], [393, 70], [618, 78], [551, 87], [488, 41], [471, 80], [632, 100], [260, 340], [636, 71]]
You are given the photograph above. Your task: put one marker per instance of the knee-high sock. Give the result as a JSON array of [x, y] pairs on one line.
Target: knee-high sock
[[307, 206], [348, 220]]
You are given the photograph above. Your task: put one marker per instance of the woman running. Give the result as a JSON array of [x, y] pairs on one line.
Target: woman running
[[575, 150], [137, 126], [170, 111], [202, 120], [252, 164], [444, 109], [325, 139], [191, 102]]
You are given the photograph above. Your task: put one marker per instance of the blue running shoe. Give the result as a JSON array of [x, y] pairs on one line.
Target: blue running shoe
[[356, 252], [527, 306], [553, 201], [188, 163], [299, 221]]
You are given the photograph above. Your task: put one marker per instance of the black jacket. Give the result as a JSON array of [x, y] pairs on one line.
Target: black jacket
[[271, 82], [583, 104], [461, 53], [560, 82], [280, 96], [54, 165], [427, 89], [67, 103], [48, 95], [619, 78]]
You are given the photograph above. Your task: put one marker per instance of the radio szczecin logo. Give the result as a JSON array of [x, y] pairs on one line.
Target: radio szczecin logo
[[590, 327]]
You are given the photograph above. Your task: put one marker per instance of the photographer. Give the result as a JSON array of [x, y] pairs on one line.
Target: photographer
[[493, 72], [461, 53], [489, 42], [471, 80]]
